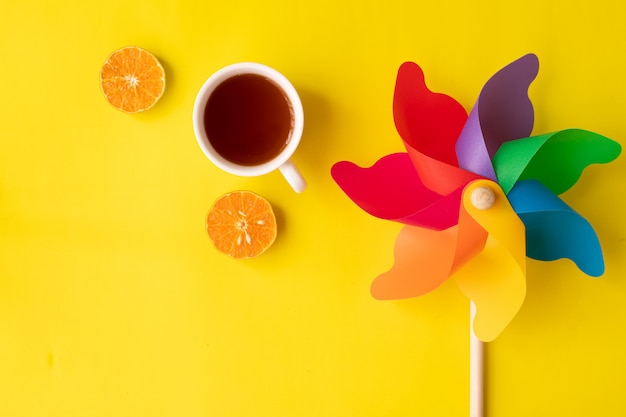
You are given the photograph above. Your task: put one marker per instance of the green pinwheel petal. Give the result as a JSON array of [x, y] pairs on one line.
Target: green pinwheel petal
[[555, 159]]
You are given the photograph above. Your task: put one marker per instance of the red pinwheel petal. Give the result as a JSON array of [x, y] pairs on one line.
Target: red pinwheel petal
[[438, 176], [392, 190], [429, 124]]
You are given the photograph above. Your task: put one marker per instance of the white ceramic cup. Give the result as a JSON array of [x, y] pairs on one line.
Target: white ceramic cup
[[282, 161]]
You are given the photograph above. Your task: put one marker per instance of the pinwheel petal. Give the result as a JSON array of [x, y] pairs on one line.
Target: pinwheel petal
[[495, 279], [422, 261], [556, 159], [426, 258], [554, 230], [438, 176], [502, 112], [392, 190], [429, 124]]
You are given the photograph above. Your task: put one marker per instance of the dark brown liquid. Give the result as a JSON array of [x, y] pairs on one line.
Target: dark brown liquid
[[248, 119]]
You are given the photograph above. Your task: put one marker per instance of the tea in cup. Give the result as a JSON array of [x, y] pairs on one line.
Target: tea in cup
[[248, 120]]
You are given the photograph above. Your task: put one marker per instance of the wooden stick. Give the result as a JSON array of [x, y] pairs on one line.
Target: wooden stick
[[476, 369]]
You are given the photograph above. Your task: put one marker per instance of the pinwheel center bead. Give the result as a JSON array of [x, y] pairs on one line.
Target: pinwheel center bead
[[483, 198]]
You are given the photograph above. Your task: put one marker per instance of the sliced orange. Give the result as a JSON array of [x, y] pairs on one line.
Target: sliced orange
[[132, 79], [241, 224]]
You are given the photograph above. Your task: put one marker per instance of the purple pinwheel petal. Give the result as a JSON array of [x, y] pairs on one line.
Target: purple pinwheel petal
[[503, 112], [554, 230], [391, 189], [471, 151]]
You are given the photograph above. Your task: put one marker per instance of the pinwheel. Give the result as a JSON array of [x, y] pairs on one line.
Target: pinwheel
[[477, 195]]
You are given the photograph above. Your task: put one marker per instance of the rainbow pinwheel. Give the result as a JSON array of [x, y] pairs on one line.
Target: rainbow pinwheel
[[452, 157]]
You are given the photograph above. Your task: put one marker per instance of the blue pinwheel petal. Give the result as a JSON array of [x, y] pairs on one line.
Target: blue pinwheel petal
[[554, 230]]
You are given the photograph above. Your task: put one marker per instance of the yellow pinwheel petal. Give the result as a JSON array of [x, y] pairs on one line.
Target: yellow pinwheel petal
[[495, 280]]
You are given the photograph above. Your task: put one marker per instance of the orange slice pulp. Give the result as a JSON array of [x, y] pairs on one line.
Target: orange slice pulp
[[241, 224], [132, 79]]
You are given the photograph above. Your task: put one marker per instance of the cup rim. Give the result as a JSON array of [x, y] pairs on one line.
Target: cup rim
[[202, 98]]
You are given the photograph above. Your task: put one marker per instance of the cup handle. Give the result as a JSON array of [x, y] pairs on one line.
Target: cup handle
[[293, 176]]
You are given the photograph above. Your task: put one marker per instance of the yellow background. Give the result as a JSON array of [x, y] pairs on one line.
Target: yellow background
[[113, 301]]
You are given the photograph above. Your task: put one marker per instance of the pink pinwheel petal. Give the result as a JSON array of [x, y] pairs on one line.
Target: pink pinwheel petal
[[503, 112], [392, 190]]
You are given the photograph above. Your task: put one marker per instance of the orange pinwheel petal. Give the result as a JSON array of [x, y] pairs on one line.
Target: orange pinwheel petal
[[425, 258]]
